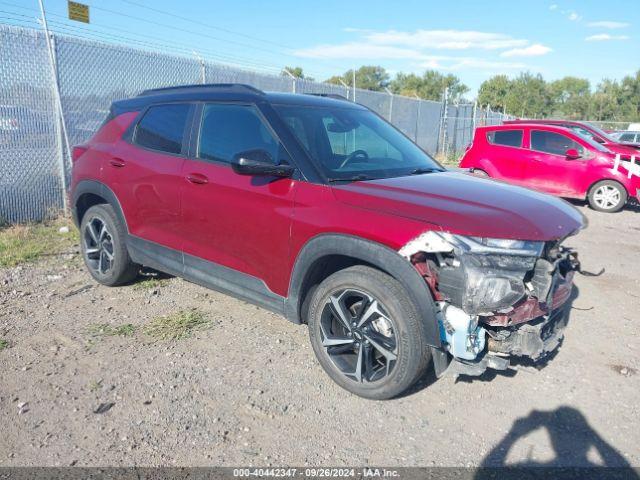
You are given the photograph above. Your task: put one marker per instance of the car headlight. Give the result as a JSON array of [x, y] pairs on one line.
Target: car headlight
[[487, 274], [505, 246]]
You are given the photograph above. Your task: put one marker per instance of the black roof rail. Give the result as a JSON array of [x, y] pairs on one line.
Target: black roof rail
[[335, 96], [230, 87]]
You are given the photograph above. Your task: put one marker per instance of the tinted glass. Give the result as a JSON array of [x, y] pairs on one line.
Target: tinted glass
[[228, 129], [509, 138], [551, 142], [353, 143], [162, 127], [627, 137]]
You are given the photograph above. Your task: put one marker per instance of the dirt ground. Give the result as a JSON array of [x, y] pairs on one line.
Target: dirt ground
[[248, 390]]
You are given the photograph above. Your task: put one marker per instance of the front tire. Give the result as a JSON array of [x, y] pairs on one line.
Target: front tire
[[367, 334], [102, 242], [607, 196]]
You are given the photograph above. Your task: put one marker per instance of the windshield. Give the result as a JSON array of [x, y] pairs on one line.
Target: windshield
[[589, 138], [599, 132], [354, 144]]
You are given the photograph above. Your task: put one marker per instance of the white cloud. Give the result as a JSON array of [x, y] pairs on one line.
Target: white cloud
[[603, 37], [358, 50], [534, 50], [446, 39], [608, 24], [460, 63], [574, 17], [553, 7]]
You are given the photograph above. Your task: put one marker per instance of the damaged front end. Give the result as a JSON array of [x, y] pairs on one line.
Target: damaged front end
[[496, 298]]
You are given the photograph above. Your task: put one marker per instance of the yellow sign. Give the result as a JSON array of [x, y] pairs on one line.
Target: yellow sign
[[78, 11]]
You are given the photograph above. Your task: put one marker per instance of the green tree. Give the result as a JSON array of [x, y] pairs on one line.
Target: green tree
[[570, 97], [296, 72], [430, 85], [368, 77], [494, 92], [528, 96]]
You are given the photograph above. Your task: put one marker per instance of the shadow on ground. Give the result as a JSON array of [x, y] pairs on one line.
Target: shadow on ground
[[577, 447]]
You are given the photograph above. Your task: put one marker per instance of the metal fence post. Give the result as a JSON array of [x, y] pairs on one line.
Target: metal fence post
[[293, 80], [417, 117], [390, 102], [58, 99], [203, 71], [442, 133]]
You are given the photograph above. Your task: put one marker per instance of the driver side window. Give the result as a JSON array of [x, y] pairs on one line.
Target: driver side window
[[228, 129], [553, 143]]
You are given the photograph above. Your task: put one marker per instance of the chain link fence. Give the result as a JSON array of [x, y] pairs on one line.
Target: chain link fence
[[91, 75]]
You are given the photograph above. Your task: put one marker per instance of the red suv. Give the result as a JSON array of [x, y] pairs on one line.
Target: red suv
[[554, 160], [318, 209]]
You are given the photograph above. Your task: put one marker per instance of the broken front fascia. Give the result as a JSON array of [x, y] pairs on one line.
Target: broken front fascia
[[493, 283]]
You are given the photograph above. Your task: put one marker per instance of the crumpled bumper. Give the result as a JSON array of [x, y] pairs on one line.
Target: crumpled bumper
[[534, 340]]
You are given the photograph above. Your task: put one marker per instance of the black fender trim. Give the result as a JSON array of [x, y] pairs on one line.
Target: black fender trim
[[373, 253], [100, 189]]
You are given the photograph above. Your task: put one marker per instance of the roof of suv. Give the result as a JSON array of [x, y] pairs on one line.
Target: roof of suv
[[230, 92]]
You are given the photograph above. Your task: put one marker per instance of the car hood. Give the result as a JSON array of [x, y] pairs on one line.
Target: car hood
[[465, 204], [622, 149]]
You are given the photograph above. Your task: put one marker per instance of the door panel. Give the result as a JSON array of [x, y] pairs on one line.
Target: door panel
[[145, 174], [238, 221], [505, 155], [548, 168]]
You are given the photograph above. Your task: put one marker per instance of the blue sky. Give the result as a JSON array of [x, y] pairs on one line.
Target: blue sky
[[471, 39]]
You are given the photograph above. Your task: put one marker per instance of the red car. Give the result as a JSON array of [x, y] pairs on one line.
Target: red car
[[588, 130], [318, 209], [554, 160]]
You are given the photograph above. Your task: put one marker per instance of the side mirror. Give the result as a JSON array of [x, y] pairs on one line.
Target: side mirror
[[572, 154], [259, 162]]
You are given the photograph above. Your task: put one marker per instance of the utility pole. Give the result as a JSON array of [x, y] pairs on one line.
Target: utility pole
[[58, 100]]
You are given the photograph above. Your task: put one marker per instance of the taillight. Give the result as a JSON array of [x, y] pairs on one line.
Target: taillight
[[77, 152]]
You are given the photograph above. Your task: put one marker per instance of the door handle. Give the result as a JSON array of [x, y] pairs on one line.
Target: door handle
[[117, 162], [197, 178]]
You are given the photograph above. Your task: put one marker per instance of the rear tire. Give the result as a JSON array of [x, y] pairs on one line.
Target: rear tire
[[102, 242], [607, 196], [367, 334]]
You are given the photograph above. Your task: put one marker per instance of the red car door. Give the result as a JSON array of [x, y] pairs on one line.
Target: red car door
[[549, 169], [504, 153], [145, 174], [237, 221]]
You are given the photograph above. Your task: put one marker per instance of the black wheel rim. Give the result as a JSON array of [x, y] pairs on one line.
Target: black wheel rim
[[98, 246], [358, 336]]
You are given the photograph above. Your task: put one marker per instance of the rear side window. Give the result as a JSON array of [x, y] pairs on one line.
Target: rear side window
[[229, 129], [554, 143], [508, 138], [162, 128]]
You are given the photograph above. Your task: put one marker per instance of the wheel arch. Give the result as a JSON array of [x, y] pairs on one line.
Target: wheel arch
[[604, 179], [91, 192], [310, 268]]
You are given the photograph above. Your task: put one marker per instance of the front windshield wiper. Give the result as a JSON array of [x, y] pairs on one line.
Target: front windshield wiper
[[355, 178], [420, 171]]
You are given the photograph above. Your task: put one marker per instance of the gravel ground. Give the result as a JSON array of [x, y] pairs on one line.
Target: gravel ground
[[248, 390]]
